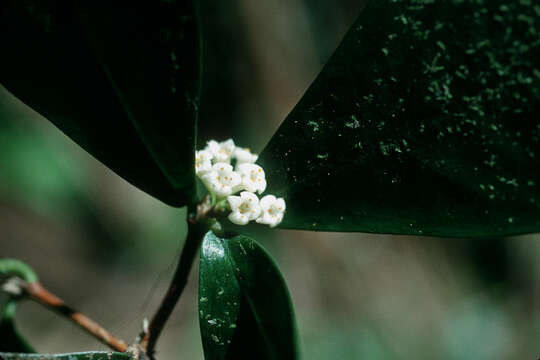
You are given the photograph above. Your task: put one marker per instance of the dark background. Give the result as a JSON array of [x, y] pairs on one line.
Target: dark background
[[109, 249]]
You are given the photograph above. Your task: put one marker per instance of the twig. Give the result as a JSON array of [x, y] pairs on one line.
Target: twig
[[197, 226], [38, 293]]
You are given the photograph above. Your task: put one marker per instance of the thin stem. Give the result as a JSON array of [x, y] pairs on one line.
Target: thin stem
[[197, 226], [38, 293]]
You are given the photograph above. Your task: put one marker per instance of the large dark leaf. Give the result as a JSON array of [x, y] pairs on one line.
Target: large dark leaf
[[244, 306], [10, 338], [119, 78], [424, 121], [89, 355]]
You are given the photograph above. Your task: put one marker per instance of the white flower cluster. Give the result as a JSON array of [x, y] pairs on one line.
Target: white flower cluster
[[213, 167]]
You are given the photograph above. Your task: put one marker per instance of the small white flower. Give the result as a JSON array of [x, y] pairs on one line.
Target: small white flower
[[253, 178], [222, 151], [244, 208], [221, 179], [244, 155], [203, 162], [272, 210]]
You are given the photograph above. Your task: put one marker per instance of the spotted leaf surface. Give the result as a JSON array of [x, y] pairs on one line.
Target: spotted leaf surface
[[244, 306], [424, 121]]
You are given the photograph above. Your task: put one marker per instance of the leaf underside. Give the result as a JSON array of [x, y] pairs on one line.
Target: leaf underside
[[244, 306], [424, 121], [120, 79]]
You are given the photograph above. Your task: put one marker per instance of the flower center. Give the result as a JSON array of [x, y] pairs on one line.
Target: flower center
[[244, 208]]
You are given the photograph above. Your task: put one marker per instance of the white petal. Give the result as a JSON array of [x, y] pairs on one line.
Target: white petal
[[267, 219], [238, 219], [280, 205], [267, 201], [275, 223], [222, 152], [224, 190], [213, 146], [264, 219], [203, 155], [249, 184], [261, 185], [228, 145], [234, 202], [210, 177], [258, 170], [254, 212], [249, 197], [244, 168], [236, 179], [202, 168], [221, 166], [244, 156], [237, 188]]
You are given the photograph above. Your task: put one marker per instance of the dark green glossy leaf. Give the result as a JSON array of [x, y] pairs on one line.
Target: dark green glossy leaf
[[89, 355], [244, 306], [120, 79], [10, 338], [424, 121]]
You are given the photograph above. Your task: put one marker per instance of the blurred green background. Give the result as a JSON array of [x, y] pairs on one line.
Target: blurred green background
[[109, 249]]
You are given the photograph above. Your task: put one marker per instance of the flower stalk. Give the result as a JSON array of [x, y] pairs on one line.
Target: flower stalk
[[198, 224], [225, 170]]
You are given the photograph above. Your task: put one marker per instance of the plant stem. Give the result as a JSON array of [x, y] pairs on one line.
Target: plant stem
[[197, 227], [38, 293]]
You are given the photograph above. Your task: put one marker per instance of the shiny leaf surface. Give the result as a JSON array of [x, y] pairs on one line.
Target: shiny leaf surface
[[120, 79], [244, 306], [424, 121]]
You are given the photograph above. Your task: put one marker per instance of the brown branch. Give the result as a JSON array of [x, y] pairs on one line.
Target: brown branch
[[38, 293]]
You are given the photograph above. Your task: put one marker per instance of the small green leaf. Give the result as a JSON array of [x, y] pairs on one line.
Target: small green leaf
[[121, 81], [424, 121], [89, 355], [15, 267], [10, 338], [245, 310]]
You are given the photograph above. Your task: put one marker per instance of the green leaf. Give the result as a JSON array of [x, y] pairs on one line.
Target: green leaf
[[10, 338], [245, 310], [89, 355], [15, 267], [121, 81], [424, 121]]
